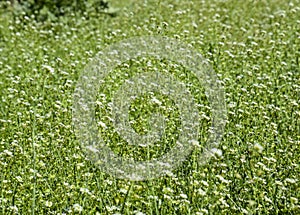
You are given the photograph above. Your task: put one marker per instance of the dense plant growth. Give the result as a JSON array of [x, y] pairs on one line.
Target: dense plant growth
[[253, 46], [51, 9]]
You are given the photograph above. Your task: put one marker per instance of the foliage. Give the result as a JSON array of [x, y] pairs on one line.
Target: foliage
[[51, 9], [253, 47]]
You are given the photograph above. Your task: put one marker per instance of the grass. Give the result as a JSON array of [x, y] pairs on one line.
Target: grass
[[253, 46]]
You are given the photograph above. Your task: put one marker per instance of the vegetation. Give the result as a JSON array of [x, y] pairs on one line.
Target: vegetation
[[253, 47], [51, 9]]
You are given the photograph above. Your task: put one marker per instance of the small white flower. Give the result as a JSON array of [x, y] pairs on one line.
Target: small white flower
[[77, 207], [223, 180], [267, 199], [139, 213], [92, 149], [19, 179], [203, 211], [182, 195], [79, 165], [167, 190], [257, 147], [201, 192], [84, 190], [49, 68], [109, 182], [156, 101], [167, 197], [102, 124], [290, 180], [204, 183], [122, 190], [112, 208], [9, 153], [216, 152], [48, 204], [195, 143], [14, 208]]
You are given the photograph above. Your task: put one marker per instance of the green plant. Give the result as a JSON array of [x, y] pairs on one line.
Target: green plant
[[253, 47], [48, 9]]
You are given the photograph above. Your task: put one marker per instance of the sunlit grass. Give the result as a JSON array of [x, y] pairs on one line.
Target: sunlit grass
[[253, 46]]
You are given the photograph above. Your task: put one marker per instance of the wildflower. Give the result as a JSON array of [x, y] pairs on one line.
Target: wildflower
[[216, 152], [48, 204], [139, 213], [201, 192], [122, 190], [84, 190], [14, 208], [156, 101], [102, 124], [167, 190], [202, 211], [204, 183], [9, 153], [223, 180], [49, 68], [258, 148], [77, 208], [19, 179], [195, 143], [167, 197], [182, 195], [290, 180]]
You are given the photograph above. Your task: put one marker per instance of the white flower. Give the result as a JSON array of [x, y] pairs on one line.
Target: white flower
[[223, 180], [195, 143], [48, 204], [290, 180], [203, 211], [14, 208], [122, 190], [201, 192], [19, 179], [49, 68], [77, 207], [167, 197], [216, 152], [268, 199], [85, 190], [182, 195], [257, 147], [9, 153], [167, 190], [204, 183], [156, 101], [102, 124], [92, 149], [139, 213]]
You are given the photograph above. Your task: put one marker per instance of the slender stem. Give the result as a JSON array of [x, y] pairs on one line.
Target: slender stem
[[34, 170], [126, 197]]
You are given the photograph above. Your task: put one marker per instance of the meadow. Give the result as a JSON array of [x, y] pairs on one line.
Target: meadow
[[253, 47]]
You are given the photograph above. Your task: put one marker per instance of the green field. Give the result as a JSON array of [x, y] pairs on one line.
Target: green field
[[253, 47]]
